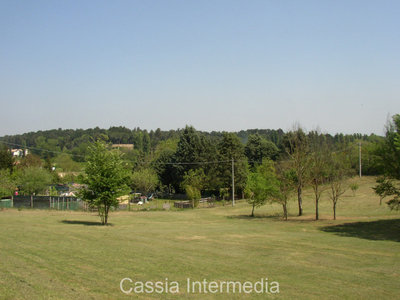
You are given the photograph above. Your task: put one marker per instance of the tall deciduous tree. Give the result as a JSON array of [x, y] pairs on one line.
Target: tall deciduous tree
[[106, 179], [194, 178], [145, 180], [337, 180], [34, 180], [31, 160], [286, 183], [6, 158], [318, 171], [296, 147], [387, 159]]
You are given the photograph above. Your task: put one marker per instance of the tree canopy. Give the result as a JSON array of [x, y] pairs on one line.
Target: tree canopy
[[387, 159], [106, 178], [261, 185], [34, 180]]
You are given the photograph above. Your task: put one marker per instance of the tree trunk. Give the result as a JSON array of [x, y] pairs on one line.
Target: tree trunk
[[316, 210], [380, 203], [300, 200], [107, 208], [284, 211], [334, 211], [252, 212]]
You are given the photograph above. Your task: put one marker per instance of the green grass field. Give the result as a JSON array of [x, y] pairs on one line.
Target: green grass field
[[69, 255]]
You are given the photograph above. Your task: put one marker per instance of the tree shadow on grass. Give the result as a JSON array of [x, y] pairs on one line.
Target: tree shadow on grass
[[381, 230], [256, 216], [86, 223]]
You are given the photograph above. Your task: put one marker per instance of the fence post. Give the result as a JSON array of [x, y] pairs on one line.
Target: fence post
[[31, 201], [63, 204], [67, 204], [58, 203]]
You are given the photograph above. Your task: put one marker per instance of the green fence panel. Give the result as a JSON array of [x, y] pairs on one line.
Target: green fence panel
[[5, 203], [47, 202], [22, 201]]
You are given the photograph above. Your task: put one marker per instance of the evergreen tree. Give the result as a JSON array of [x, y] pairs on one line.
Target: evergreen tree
[[258, 148], [163, 166], [191, 152], [231, 148]]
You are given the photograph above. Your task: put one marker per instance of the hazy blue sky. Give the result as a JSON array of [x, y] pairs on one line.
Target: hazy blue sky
[[216, 65]]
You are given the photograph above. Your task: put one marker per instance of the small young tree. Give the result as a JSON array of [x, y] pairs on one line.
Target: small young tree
[[193, 194], [223, 192], [286, 186], [256, 188], [337, 182], [385, 187], [318, 171], [193, 183], [261, 185], [354, 187], [106, 179]]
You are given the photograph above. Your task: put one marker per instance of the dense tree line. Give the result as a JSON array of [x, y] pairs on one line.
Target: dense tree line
[[50, 142], [268, 165]]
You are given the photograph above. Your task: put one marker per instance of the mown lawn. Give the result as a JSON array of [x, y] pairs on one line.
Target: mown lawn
[[69, 255]]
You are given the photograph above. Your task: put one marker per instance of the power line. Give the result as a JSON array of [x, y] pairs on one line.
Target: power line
[[39, 149], [131, 161]]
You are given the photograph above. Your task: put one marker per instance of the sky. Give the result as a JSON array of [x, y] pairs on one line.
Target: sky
[[217, 65]]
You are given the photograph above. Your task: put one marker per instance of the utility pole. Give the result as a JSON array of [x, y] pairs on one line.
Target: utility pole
[[359, 155], [233, 183]]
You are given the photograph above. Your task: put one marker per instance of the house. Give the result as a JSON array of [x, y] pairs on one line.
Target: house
[[126, 146], [19, 152], [16, 152]]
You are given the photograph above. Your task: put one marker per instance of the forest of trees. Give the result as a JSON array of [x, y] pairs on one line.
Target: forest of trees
[[52, 142], [194, 162]]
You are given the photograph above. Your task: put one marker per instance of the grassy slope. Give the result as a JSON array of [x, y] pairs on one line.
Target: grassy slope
[[67, 255]]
